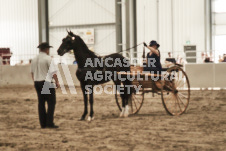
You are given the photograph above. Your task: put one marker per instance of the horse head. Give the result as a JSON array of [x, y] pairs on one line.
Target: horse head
[[67, 43]]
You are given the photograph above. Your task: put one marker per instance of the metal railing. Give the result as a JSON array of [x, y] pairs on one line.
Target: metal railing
[[212, 55]]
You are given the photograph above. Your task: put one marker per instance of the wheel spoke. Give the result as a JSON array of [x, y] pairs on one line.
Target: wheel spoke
[[181, 101], [179, 83], [169, 102], [135, 103], [175, 104], [131, 105], [182, 84], [169, 96], [182, 95], [179, 80], [178, 103], [137, 99], [166, 95]]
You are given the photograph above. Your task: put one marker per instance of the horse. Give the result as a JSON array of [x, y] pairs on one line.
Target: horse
[[112, 64]]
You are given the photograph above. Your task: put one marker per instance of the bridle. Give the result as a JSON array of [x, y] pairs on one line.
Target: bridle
[[72, 38]]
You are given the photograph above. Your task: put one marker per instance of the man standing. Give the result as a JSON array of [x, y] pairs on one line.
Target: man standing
[[42, 71]]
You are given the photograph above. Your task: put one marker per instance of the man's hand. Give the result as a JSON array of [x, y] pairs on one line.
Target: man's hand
[[32, 76], [56, 80], [57, 84], [145, 45]]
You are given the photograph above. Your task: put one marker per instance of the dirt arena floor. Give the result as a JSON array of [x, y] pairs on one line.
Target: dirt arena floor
[[203, 127]]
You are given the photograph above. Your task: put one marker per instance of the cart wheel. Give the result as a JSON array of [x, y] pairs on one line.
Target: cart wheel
[[175, 91], [135, 103]]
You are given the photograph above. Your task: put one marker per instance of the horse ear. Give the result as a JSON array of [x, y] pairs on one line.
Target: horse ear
[[67, 31]]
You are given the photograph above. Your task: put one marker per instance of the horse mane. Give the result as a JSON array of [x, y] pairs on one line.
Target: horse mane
[[83, 45]]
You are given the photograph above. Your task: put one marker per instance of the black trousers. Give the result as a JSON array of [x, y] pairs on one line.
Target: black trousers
[[45, 93]]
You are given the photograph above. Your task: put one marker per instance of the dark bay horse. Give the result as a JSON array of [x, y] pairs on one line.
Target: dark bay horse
[[89, 64]]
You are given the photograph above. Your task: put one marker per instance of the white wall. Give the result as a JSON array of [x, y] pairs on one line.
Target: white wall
[[146, 22], [23, 76], [19, 24], [104, 41], [219, 27], [77, 14], [189, 24], [172, 32], [19, 28]]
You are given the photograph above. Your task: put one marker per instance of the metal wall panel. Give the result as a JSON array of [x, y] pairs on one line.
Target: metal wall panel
[[19, 28], [147, 26], [165, 27], [188, 24], [77, 12], [220, 30], [172, 25], [220, 18]]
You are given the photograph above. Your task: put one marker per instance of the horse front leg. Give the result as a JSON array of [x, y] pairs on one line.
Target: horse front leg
[[85, 102], [91, 117]]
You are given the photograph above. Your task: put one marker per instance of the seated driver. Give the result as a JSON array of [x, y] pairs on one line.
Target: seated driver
[[153, 58]]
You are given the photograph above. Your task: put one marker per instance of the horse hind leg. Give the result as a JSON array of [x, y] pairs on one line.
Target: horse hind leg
[[126, 111], [122, 96], [123, 106], [127, 96]]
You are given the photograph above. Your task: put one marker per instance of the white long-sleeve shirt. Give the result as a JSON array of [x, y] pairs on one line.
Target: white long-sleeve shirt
[[43, 67]]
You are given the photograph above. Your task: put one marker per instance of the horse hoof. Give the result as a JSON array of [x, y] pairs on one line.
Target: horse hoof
[[81, 119], [90, 119], [122, 113], [126, 115]]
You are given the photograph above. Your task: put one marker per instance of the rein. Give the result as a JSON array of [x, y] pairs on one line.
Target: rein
[[132, 47]]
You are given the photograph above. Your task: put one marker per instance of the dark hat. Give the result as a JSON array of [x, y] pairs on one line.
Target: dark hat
[[44, 45], [154, 43]]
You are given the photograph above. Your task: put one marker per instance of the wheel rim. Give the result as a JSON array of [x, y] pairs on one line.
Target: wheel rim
[[176, 101]]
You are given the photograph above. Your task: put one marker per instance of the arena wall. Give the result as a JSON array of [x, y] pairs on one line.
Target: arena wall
[[21, 76], [210, 75], [206, 75]]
